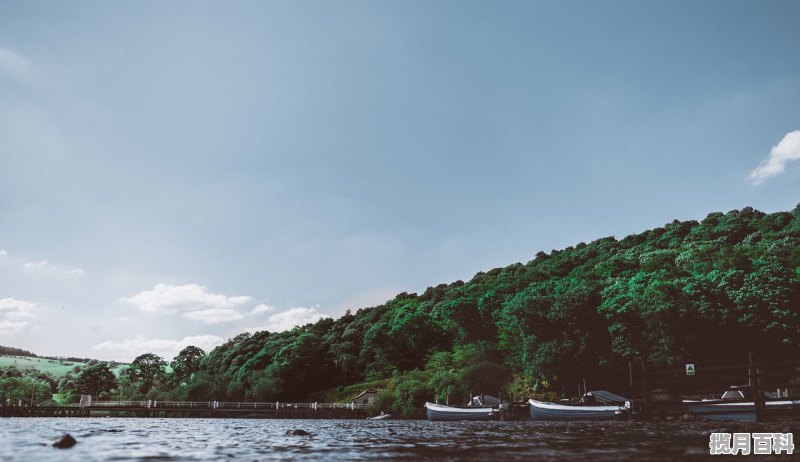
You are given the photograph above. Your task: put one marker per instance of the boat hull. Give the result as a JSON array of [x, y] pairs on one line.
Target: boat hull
[[741, 411], [541, 410], [437, 412]]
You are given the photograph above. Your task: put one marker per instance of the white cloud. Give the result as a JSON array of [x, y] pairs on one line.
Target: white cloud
[[45, 266], [190, 297], [42, 265], [3, 253], [12, 308], [13, 313], [214, 315], [11, 328], [292, 317], [17, 66], [130, 348], [784, 152], [262, 308]]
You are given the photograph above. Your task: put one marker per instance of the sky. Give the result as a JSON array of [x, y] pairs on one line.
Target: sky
[[176, 173]]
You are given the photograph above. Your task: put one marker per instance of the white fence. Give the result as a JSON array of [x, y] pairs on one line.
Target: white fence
[[150, 404]]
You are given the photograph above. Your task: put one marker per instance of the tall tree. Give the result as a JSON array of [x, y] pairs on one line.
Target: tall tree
[[95, 380], [186, 363], [147, 369]]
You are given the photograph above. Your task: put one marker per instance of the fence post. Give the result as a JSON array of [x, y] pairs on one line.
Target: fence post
[[644, 387], [630, 374], [755, 382]]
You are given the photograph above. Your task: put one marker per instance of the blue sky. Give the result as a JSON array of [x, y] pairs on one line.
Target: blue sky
[[179, 172]]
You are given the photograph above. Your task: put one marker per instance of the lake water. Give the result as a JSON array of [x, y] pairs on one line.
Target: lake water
[[142, 439]]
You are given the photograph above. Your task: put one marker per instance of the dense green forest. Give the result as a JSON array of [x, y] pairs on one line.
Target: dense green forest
[[686, 292]]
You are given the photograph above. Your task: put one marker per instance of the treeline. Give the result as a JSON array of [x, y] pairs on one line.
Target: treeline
[[686, 292], [11, 351], [146, 377], [73, 359]]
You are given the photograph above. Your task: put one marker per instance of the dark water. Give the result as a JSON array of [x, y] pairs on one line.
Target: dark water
[[120, 439]]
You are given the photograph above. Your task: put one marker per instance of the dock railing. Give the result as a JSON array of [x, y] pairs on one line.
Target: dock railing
[[773, 375], [275, 405]]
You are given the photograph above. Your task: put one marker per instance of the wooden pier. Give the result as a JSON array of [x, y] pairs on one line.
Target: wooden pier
[[657, 391]]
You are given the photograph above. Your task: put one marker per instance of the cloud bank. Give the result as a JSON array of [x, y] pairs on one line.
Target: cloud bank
[[214, 315], [195, 301], [290, 318], [130, 348], [13, 315], [784, 152], [262, 309]]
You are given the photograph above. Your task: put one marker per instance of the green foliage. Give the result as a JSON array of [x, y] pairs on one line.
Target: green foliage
[[52, 367], [186, 363], [707, 290], [95, 379], [384, 401], [16, 386], [147, 371], [485, 378], [412, 389]]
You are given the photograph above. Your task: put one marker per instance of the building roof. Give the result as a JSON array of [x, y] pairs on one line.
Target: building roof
[[365, 392]]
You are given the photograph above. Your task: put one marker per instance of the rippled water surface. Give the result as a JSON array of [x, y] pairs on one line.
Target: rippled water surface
[[124, 439]]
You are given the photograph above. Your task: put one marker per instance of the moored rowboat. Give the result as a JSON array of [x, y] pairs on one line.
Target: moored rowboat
[[452, 413], [541, 410], [736, 410]]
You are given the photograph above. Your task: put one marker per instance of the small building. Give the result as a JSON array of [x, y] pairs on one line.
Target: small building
[[365, 397]]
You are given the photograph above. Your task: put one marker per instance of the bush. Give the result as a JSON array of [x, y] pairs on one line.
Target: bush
[[384, 401], [411, 392]]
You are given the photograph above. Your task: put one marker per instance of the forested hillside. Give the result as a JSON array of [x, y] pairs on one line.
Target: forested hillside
[[686, 291]]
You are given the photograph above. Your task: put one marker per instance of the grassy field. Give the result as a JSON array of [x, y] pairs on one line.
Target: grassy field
[[49, 366]]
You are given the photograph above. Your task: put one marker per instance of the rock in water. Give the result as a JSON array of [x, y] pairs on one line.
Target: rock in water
[[66, 441], [297, 433]]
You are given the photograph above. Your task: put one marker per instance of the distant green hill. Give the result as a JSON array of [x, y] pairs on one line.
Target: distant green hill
[[689, 291], [55, 368]]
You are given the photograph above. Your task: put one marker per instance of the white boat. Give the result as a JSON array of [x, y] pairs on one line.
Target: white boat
[[442, 412], [541, 410], [736, 403], [736, 410], [380, 416]]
